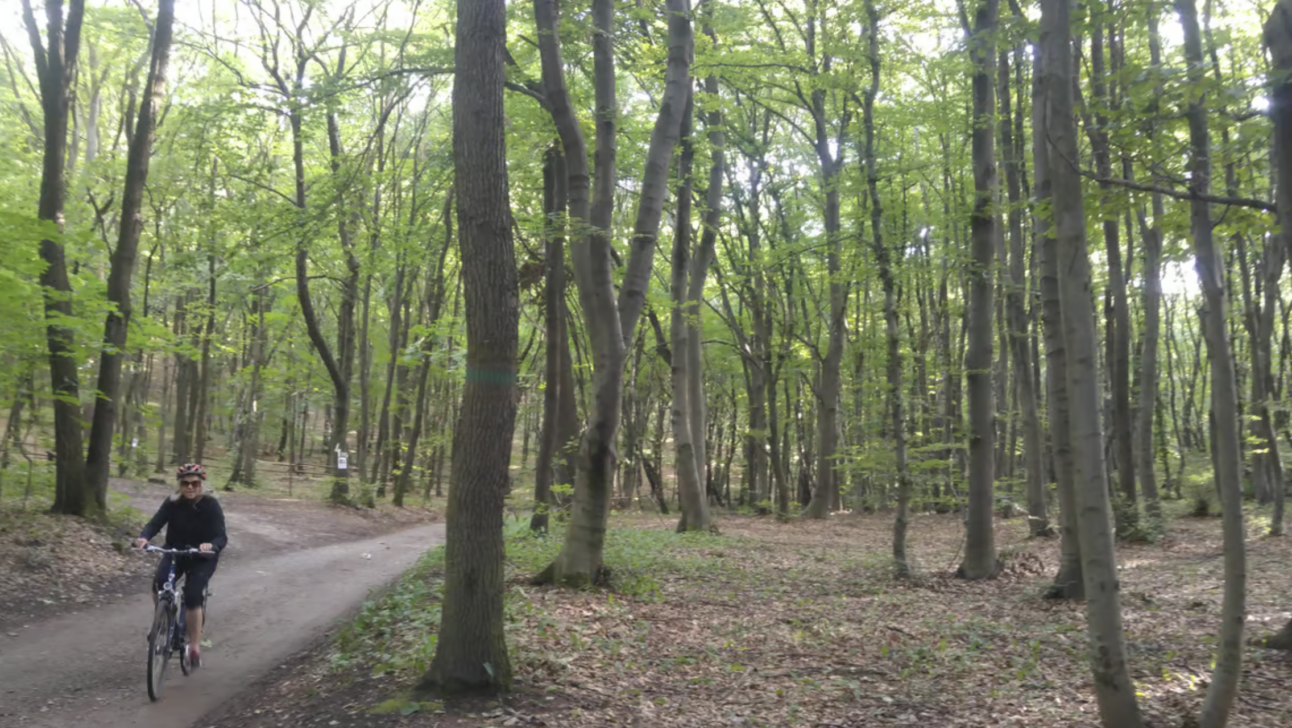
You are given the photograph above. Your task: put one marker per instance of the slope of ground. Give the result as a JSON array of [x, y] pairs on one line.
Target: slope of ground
[[802, 625]]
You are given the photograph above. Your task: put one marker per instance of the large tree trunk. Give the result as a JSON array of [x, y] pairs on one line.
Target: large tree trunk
[[1113, 688], [122, 267], [1224, 392], [1278, 37], [1069, 583], [980, 560], [471, 654], [56, 67]]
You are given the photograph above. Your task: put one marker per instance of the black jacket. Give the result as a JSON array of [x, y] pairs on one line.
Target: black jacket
[[189, 524]]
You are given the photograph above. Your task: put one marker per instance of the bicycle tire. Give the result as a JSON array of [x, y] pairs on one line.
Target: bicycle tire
[[159, 650]]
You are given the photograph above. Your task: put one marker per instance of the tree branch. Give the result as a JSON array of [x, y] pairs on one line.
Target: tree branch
[[1183, 195]]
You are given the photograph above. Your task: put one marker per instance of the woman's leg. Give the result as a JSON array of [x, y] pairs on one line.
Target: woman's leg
[[200, 570], [159, 577]]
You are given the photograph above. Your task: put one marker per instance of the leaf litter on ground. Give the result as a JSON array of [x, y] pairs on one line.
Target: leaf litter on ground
[[803, 624]]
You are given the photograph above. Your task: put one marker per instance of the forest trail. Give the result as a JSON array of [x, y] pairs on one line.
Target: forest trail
[[277, 590]]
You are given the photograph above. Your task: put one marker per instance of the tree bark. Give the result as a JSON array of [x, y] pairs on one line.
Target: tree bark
[[1016, 291], [610, 323], [471, 653], [1069, 583], [55, 68], [554, 206], [121, 270], [1278, 37], [1113, 688], [1224, 392], [433, 303], [1119, 366], [203, 390], [980, 560], [687, 464], [901, 520]]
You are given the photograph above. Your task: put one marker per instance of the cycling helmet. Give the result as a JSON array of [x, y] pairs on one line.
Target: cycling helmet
[[191, 469]]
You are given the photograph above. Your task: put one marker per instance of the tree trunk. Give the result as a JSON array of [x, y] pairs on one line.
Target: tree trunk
[[1119, 341], [610, 323], [434, 300], [1113, 688], [1038, 520], [886, 267], [203, 390], [1152, 293], [383, 418], [1224, 394], [183, 382], [56, 67], [687, 465], [121, 270], [342, 370], [554, 205], [980, 560], [1069, 582], [1278, 37], [471, 654]]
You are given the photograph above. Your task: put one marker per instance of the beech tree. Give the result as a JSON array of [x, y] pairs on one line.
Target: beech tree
[[471, 652]]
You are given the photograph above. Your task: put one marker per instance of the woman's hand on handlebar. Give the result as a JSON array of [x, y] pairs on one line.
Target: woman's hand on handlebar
[[141, 542], [206, 547]]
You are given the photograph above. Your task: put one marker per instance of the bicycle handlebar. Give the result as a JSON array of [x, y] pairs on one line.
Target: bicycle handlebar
[[179, 552]]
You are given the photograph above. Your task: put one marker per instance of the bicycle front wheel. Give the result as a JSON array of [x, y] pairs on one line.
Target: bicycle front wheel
[[159, 650]]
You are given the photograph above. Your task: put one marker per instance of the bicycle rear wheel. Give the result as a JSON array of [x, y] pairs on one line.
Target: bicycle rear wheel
[[159, 650]]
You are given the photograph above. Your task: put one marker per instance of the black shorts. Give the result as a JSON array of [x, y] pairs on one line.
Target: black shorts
[[199, 570]]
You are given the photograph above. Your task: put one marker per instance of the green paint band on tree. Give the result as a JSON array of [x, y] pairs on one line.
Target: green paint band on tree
[[491, 376]]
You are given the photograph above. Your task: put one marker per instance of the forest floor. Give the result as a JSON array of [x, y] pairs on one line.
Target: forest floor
[[802, 624], [50, 566]]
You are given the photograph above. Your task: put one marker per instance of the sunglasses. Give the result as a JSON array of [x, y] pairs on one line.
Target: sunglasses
[[191, 483]]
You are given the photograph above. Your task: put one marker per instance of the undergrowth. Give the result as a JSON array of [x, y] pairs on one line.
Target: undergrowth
[[396, 632]]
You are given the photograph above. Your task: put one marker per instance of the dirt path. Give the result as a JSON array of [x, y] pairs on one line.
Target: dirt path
[[284, 580]]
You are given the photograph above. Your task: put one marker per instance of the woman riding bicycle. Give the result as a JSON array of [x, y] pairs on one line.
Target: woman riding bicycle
[[192, 519]]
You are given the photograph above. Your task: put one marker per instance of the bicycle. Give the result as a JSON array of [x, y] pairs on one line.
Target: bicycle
[[168, 633]]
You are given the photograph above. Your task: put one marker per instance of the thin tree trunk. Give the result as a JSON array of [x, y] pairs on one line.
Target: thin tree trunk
[[1224, 394], [686, 462], [1020, 346], [204, 380], [554, 205]]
